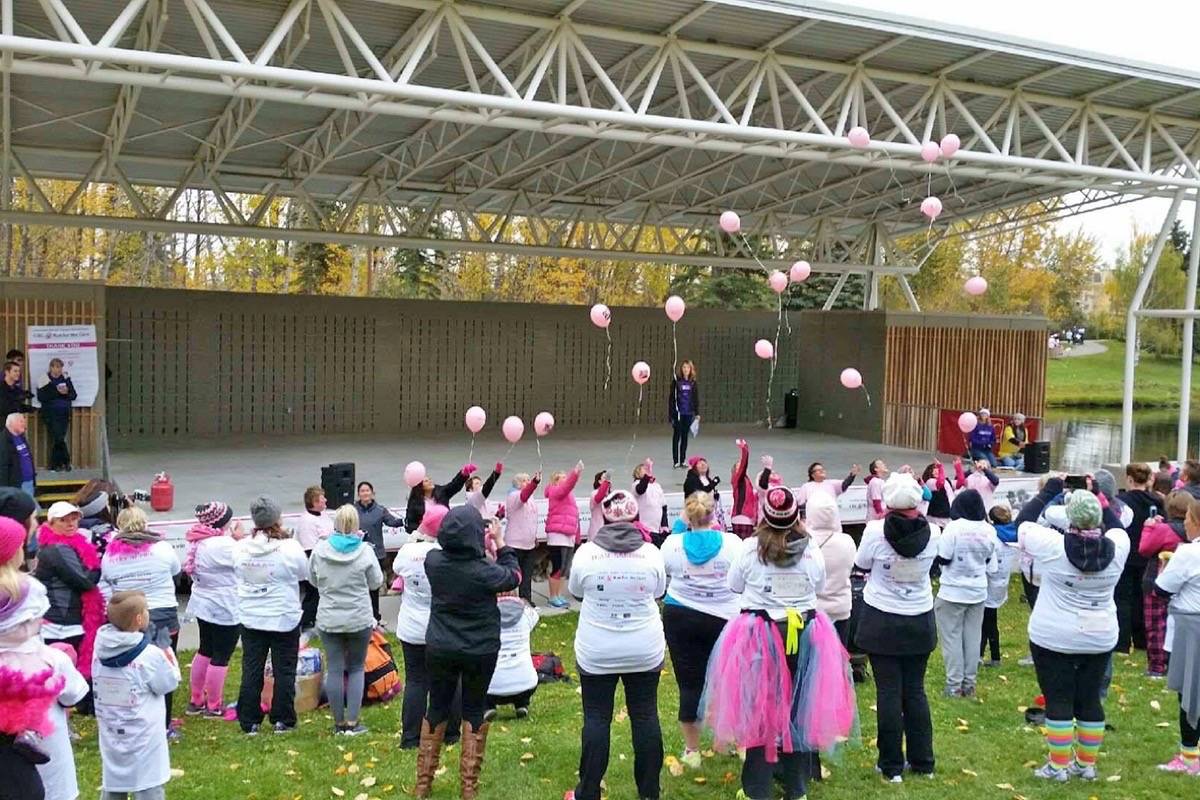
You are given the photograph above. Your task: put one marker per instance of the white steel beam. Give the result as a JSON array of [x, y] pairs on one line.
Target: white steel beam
[[1188, 354]]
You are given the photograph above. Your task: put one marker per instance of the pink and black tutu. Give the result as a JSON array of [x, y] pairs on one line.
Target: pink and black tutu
[[761, 692]]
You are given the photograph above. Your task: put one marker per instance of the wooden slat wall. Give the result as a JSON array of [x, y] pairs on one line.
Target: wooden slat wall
[[17, 313], [960, 367]]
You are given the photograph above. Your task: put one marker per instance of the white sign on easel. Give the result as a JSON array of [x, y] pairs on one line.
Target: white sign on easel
[[76, 346]]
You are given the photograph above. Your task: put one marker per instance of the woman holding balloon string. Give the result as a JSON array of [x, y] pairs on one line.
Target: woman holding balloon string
[[429, 503], [562, 528], [683, 408]]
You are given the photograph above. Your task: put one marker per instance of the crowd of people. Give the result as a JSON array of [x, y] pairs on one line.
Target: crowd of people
[[769, 615]]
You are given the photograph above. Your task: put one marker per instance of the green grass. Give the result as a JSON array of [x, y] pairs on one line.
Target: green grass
[[983, 746], [1098, 380]]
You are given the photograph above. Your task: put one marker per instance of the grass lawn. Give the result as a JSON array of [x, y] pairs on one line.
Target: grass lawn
[[1097, 380], [984, 749]]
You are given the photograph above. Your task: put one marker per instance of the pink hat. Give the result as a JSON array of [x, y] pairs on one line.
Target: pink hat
[[12, 538], [694, 460], [779, 508], [67, 650], [620, 506]]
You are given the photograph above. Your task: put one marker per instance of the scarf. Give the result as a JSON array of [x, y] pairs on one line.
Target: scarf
[[195, 535], [128, 543], [92, 601]]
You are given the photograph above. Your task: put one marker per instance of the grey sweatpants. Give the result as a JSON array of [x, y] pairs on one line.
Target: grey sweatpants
[[960, 627], [157, 793], [345, 654]]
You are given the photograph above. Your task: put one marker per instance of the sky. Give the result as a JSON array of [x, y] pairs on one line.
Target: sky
[[1161, 32]]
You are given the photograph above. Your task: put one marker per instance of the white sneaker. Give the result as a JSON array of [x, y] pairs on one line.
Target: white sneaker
[[1049, 772], [1086, 773], [691, 759]]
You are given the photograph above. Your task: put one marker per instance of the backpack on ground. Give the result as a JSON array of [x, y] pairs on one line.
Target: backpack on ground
[[549, 668], [382, 676]]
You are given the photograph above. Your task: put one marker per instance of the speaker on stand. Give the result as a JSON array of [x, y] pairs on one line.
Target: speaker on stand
[[1037, 457], [337, 481]]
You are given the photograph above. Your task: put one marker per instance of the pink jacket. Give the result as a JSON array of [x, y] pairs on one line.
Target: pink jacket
[[1158, 537], [597, 519], [745, 494], [520, 517], [562, 517]]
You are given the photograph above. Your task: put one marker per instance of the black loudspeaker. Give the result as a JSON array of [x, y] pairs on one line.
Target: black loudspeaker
[[337, 481], [1037, 457]]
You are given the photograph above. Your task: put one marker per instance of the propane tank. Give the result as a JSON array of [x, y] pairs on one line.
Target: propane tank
[[162, 492]]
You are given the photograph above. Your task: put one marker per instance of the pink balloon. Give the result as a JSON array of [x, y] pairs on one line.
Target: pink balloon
[[475, 419], [851, 378], [601, 316], [950, 145], [414, 473], [513, 429], [763, 349], [967, 422], [675, 308], [800, 271], [640, 372], [976, 286], [730, 222], [930, 152], [859, 137], [543, 423], [778, 282], [931, 207]]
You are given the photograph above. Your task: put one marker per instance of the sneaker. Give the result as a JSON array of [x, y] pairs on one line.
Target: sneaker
[[1083, 772], [995, 662], [952, 691], [1157, 676], [195, 709], [522, 712], [489, 715], [283, 727], [967, 691], [174, 735], [214, 713], [358, 729], [251, 731], [1049, 772], [1180, 765], [560, 602], [893, 779], [691, 759], [1026, 661]]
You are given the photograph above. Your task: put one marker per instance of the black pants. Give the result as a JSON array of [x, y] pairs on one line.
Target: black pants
[[527, 562], [759, 775], [1072, 683], [691, 636], [217, 642], [284, 650], [1188, 735], [1131, 613], [416, 699], [450, 673], [681, 428], [903, 714], [521, 700], [164, 632], [991, 633], [57, 427], [21, 778], [641, 701]]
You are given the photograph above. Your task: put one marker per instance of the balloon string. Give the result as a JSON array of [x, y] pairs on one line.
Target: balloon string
[[471, 454], [607, 359], [538, 441], [674, 349], [508, 452], [868, 394], [637, 421], [753, 254]]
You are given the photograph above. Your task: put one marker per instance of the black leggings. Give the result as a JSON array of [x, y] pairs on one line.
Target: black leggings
[[1072, 683], [1189, 736], [759, 775], [416, 699], [558, 559], [527, 562], [902, 714], [446, 671], [217, 642], [641, 700], [991, 633], [691, 636], [681, 428]]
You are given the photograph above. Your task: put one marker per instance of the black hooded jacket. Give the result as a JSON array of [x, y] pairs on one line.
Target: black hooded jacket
[[463, 616], [968, 505], [908, 536]]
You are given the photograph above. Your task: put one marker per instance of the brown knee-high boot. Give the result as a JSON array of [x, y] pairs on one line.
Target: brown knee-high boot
[[474, 742], [428, 757]]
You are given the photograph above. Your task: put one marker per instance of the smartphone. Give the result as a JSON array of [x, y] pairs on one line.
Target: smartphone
[[1074, 482]]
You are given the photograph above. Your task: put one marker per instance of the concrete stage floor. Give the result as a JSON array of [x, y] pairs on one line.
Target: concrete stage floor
[[238, 469]]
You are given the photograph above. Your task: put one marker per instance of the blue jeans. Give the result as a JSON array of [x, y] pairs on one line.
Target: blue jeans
[[28, 488], [986, 454], [1017, 461]]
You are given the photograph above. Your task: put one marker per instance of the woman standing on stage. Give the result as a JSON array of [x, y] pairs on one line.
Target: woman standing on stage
[[683, 407]]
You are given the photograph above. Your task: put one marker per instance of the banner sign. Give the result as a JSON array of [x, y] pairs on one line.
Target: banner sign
[[76, 346]]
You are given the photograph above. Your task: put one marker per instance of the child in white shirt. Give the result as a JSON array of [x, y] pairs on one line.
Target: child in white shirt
[[515, 680], [130, 678]]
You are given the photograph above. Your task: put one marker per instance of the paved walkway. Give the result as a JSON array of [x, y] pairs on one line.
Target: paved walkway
[[1090, 347]]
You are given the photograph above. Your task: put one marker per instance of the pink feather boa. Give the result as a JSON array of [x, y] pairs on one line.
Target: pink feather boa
[[92, 600], [26, 698], [195, 535]]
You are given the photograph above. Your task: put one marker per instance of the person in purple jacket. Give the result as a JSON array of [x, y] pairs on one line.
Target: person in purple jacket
[[683, 407], [983, 439]]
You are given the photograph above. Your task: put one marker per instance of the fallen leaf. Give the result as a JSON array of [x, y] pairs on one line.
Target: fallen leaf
[[292, 753], [1003, 678], [972, 773], [291, 773], [1031, 764], [340, 771], [526, 739], [235, 766], [1157, 706], [700, 780], [962, 721], [337, 792], [963, 729], [368, 781], [1008, 787], [352, 769], [347, 756], [1022, 709], [1163, 725], [707, 753], [826, 773], [1113, 778], [528, 756], [440, 771], [673, 766], [361, 796], [177, 773]]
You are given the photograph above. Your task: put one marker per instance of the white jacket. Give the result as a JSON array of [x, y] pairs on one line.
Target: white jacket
[[130, 710], [214, 587], [149, 570], [268, 574]]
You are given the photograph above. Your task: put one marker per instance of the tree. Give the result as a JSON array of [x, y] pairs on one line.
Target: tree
[[1181, 242]]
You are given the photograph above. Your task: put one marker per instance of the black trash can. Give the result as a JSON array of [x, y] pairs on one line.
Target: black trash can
[[791, 408]]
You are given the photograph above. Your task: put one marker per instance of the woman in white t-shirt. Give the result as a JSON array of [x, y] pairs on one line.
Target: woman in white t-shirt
[[698, 604], [897, 629], [1073, 627], [213, 603], [1179, 582], [618, 576], [967, 556], [139, 560], [415, 599], [778, 682]]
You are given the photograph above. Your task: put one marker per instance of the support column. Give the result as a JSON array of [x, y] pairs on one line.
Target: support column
[[1131, 329], [1189, 326]]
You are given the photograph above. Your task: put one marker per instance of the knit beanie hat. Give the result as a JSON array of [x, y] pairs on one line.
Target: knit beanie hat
[[12, 538], [1083, 511], [214, 514], [1106, 484], [779, 508], [901, 492], [16, 504], [619, 506], [264, 512]]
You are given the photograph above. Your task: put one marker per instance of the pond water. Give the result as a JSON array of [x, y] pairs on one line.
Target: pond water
[[1083, 439]]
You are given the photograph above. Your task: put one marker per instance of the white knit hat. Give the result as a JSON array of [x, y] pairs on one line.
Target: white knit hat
[[901, 492]]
